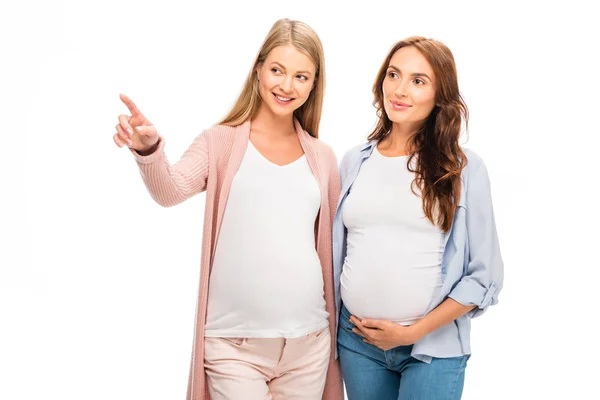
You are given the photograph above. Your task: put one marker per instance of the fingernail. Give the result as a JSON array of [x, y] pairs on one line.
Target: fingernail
[[129, 142], [130, 131]]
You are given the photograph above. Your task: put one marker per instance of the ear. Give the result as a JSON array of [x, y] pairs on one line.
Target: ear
[[257, 70]]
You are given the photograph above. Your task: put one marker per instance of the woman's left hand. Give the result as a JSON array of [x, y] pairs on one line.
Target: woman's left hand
[[384, 334]]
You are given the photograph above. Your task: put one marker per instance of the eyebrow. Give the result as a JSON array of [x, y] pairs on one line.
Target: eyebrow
[[298, 72], [414, 74]]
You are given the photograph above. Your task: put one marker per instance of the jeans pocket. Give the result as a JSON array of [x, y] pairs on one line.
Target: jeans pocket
[[465, 358], [321, 332], [345, 320]]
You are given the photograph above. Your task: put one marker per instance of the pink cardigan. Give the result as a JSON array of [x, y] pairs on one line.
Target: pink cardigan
[[210, 164]]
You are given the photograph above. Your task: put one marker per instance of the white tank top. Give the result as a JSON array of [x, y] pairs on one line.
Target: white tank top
[[266, 279], [392, 269]]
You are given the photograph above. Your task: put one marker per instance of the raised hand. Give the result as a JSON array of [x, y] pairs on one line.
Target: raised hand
[[135, 131]]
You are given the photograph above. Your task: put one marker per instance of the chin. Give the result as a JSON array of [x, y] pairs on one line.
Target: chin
[[394, 117], [281, 113], [278, 110]]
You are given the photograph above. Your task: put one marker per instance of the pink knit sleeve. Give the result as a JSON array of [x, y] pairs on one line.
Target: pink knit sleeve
[[171, 184]]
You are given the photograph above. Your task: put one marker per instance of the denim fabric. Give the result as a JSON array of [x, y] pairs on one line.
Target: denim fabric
[[370, 373]]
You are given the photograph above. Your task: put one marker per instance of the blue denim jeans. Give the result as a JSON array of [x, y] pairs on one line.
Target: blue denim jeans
[[373, 374]]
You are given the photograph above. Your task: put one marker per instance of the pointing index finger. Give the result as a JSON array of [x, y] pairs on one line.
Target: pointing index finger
[[135, 112]]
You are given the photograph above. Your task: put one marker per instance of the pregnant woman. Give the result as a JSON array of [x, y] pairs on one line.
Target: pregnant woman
[[416, 255], [265, 324]]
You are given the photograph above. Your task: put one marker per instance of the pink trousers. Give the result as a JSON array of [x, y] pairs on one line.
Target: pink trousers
[[257, 368]]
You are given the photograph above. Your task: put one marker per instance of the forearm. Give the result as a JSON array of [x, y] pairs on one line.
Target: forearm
[[171, 184], [443, 314]]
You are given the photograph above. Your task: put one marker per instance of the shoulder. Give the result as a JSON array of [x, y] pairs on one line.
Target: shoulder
[[323, 150], [475, 174], [474, 162], [220, 139], [326, 151], [219, 132], [354, 153]]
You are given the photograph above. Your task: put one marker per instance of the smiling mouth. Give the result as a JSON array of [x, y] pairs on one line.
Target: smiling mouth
[[283, 99], [399, 106]]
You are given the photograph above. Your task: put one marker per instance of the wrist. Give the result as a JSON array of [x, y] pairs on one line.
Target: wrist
[[416, 331], [148, 150]]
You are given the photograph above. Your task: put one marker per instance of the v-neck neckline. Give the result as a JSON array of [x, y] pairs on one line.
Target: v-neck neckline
[[271, 162]]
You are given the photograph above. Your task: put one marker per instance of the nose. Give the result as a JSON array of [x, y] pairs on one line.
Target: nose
[[401, 88], [286, 85]]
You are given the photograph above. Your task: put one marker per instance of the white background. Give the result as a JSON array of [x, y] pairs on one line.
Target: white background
[[98, 283]]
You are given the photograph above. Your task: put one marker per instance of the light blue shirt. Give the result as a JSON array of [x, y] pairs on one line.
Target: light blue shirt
[[472, 267]]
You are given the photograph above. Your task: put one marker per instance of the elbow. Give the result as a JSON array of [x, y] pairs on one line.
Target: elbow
[[473, 292], [490, 299], [165, 204], [165, 201]]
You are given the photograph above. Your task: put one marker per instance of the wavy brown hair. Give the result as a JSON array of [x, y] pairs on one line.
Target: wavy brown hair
[[306, 40], [439, 158]]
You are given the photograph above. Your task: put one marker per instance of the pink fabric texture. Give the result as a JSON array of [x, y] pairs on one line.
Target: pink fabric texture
[[209, 164], [267, 368]]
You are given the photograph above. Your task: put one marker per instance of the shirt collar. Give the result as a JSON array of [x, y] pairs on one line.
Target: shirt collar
[[368, 145]]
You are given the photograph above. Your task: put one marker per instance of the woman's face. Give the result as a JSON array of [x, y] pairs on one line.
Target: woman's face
[[286, 79], [408, 87]]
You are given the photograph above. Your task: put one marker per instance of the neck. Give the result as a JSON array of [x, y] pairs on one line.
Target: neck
[[396, 142], [270, 124]]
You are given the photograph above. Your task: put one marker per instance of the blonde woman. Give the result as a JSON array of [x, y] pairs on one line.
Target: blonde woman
[[265, 326]]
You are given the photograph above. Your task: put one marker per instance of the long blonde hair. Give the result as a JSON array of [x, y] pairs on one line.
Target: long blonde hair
[[303, 38]]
